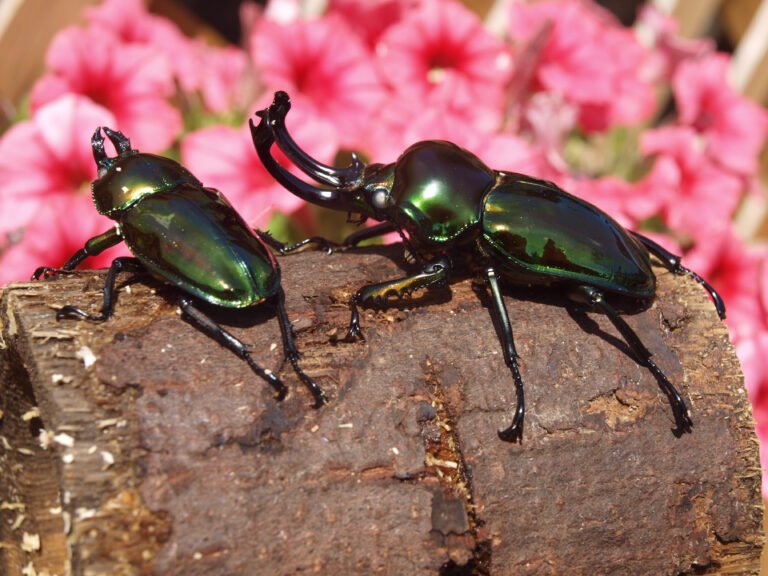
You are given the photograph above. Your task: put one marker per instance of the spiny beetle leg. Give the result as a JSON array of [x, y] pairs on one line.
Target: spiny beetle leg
[[513, 433], [292, 352], [108, 305], [205, 324], [595, 299], [434, 273], [370, 232], [93, 247], [283, 248], [672, 263]]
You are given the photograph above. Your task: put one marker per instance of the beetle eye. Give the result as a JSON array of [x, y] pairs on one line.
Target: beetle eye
[[380, 197]]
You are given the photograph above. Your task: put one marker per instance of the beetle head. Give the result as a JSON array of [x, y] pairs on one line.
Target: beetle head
[[130, 175], [354, 189]]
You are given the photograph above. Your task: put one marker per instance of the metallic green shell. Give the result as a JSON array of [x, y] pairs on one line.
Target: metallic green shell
[[192, 238], [133, 177], [438, 190], [533, 225]]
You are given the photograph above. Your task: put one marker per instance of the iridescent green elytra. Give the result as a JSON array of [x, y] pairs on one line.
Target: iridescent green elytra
[[186, 235], [459, 217]]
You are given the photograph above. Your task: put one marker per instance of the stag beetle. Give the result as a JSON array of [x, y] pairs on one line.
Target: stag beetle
[[459, 217], [188, 236]]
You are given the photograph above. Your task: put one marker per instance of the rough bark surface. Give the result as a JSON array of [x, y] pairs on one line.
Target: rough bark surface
[[168, 456]]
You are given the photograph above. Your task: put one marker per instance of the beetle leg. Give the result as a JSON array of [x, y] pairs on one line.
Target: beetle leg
[[291, 351], [672, 263], [514, 432], [371, 232], [205, 324], [594, 298], [93, 247], [108, 305], [434, 273], [283, 248]]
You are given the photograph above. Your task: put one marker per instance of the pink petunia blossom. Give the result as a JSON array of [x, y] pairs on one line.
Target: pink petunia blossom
[[549, 119], [658, 31], [46, 166], [404, 123], [370, 19], [60, 228], [626, 202], [133, 82], [133, 24], [224, 158], [324, 64], [698, 198], [48, 156], [734, 129], [226, 83], [440, 56], [588, 57], [733, 268]]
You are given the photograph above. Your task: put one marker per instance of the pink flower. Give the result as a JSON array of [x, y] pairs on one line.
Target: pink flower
[[132, 82], [626, 202], [48, 156], [733, 268], [224, 158], [225, 82], [372, 18], [697, 197], [659, 32], [440, 56], [133, 24], [46, 166], [322, 63], [550, 120], [60, 228], [734, 129], [589, 58], [404, 123]]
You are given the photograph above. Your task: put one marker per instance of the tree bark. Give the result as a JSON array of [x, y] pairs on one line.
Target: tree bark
[[141, 446]]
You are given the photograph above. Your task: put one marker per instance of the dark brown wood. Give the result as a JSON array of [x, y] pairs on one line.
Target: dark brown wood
[[168, 456]]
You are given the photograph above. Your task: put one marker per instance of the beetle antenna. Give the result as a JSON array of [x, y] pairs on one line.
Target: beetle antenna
[[121, 143], [97, 144]]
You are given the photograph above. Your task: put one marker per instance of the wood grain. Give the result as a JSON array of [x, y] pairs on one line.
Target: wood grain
[[168, 456]]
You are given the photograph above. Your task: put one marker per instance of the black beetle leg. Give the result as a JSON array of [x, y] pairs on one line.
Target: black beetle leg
[[514, 432], [205, 324], [108, 306], [434, 273], [370, 232], [283, 248], [595, 299], [292, 352], [672, 263], [93, 247]]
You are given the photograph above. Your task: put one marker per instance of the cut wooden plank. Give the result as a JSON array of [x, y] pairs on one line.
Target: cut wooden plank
[[166, 455]]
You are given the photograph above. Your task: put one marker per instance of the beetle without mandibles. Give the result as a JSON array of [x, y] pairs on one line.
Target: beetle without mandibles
[[188, 236], [458, 217]]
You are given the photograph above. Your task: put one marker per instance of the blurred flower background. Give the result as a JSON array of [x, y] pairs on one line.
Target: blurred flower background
[[635, 119]]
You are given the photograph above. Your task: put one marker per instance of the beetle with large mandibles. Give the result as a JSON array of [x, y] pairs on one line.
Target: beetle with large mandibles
[[188, 236], [460, 218]]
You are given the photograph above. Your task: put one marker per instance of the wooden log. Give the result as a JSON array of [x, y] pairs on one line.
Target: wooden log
[[140, 446]]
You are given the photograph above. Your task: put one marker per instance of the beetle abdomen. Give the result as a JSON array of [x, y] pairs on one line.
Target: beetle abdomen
[[544, 230], [193, 238]]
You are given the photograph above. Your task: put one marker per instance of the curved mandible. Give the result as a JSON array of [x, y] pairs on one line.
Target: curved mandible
[[119, 140], [263, 140], [336, 177], [97, 145]]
